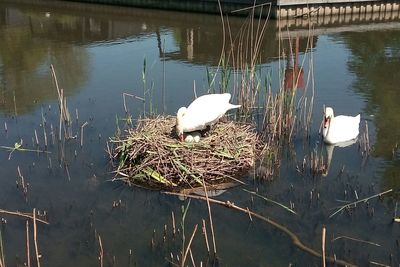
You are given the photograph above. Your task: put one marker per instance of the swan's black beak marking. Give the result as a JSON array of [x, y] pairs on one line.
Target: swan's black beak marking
[[326, 122]]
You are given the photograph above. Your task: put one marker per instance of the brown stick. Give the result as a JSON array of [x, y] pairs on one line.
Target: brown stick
[[323, 246], [209, 214], [206, 236], [36, 138], [83, 126], [35, 238], [2, 258], [295, 239], [173, 223], [21, 214], [101, 251], [353, 204], [188, 246], [192, 258], [28, 255]]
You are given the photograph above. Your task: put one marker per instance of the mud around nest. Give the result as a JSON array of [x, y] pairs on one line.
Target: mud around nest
[[151, 155]]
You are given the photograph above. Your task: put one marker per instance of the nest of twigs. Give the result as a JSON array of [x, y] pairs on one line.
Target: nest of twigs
[[151, 155]]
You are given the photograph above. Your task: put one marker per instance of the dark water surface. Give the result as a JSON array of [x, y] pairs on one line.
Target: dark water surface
[[98, 53]]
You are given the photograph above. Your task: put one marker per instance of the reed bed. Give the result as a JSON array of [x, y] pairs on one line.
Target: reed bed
[[151, 156]]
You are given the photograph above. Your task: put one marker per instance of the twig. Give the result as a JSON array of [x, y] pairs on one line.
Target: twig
[[188, 246], [101, 251], [83, 126], [26, 215], [359, 201], [28, 255], [355, 239], [173, 224], [191, 257], [36, 138], [250, 7], [323, 246], [2, 258], [379, 264], [295, 239], [210, 217], [35, 238], [133, 96], [206, 236], [270, 200]]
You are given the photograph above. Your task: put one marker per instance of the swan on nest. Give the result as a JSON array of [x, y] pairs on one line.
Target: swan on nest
[[202, 112]]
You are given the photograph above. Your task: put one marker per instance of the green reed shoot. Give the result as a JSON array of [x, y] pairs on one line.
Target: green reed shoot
[[144, 79]]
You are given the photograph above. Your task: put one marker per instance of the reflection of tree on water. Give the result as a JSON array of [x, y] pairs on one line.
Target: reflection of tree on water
[[25, 58], [376, 61], [37, 35], [201, 43]]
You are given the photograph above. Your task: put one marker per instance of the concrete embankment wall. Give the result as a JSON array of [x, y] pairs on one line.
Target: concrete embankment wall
[[284, 9], [292, 9], [233, 7]]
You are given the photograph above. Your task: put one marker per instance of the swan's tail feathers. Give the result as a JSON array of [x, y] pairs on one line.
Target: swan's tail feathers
[[234, 106], [358, 118]]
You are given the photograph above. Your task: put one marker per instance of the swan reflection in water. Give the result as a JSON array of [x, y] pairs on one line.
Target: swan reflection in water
[[329, 151]]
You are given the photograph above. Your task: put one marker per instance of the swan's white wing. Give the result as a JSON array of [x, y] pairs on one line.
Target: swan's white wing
[[346, 143], [209, 100], [342, 128], [205, 110]]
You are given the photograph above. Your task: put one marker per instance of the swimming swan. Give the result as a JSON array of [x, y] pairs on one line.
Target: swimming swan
[[203, 111], [340, 128]]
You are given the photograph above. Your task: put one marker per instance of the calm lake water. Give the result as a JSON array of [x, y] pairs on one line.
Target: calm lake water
[[98, 53]]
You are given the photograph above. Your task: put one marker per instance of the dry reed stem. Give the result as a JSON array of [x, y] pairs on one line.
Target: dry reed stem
[[101, 252], [65, 118], [206, 236], [379, 264], [82, 127], [2, 257], [35, 238], [295, 239], [210, 218], [191, 257], [173, 224], [323, 246], [28, 254], [355, 239], [188, 246], [353, 204], [22, 214]]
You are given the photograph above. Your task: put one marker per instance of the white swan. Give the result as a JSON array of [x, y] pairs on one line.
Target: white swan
[[203, 111], [340, 128]]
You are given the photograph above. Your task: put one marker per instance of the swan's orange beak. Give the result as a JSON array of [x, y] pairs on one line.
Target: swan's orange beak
[[326, 121]]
